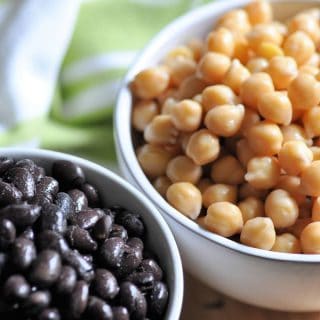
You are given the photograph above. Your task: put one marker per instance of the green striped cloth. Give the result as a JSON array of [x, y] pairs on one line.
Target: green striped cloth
[[108, 35]]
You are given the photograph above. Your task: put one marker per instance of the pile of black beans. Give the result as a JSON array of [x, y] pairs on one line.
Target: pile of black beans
[[64, 256]]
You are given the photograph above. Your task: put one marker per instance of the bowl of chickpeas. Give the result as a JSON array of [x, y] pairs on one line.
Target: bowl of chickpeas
[[218, 123]]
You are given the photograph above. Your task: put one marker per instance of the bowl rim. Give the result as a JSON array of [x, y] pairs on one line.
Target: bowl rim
[[176, 296], [126, 153]]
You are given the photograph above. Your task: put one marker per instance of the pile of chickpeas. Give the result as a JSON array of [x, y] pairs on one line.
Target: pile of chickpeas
[[230, 128]]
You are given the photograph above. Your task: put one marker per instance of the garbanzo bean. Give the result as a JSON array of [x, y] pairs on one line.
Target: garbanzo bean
[[269, 50], [263, 172], [247, 190], [310, 179], [236, 20], [186, 198], [224, 218], [316, 209], [161, 184], [310, 238], [180, 51], [227, 170], [225, 120], [203, 184], [197, 47], [288, 243], [142, 113], [292, 185], [218, 193], [221, 41], [244, 152], [258, 233], [167, 105], [259, 11], [311, 122], [183, 169], [241, 48], [294, 132], [190, 87], [203, 147], [250, 208], [316, 153], [298, 227], [250, 118], [257, 64], [281, 208]]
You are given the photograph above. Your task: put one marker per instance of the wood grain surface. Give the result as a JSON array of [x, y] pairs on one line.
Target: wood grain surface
[[202, 303]]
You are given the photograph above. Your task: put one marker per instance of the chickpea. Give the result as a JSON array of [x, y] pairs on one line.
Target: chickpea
[[218, 193], [161, 184], [203, 147], [196, 46], [150, 82], [263, 172], [247, 190], [183, 169], [265, 138], [167, 105], [311, 122], [291, 184], [186, 115], [259, 12], [313, 71], [216, 95], [253, 87], [142, 113], [282, 71], [184, 139], [268, 50], [236, 75], [258, 233], [257, 64], [161, 130], [153, 159], [299, 46], [203, 184], [316, 209], [294, 132], [236, 21], [224, 218], [280, 27], [305, 208], [310, 179], [304, 92], [298, 227], [190, 87], [287, 242], [316, 153], [276, 107], [310, 238], [213, 67], [180, 51], [186, 198], [263, 33], [244, 153], [221, 41], [168, 93], [250, 208], [225, 120], [242, 52], [314, 61], [250, 118]]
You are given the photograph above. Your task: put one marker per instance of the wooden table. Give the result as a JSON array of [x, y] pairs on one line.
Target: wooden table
[[202, 303]]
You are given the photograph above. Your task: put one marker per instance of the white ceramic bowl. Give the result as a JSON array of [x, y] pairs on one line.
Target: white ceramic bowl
[[115, 191], [269, 279]]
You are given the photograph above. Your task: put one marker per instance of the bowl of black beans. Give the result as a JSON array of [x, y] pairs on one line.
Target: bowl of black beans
[[78, 242]]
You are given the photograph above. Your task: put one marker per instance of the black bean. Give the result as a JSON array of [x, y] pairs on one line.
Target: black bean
[[49, 239], [5, 164], [50, 314], [79, 199], [131, 222], [9, 194], [135, 243], [46, 268], [23, 180], [150, 265], [157, 299], [7, 233], [92, 194], [143, 280], [98, 309], [130, 260], [111, 252], [53, 219], [68, 173], [102, 228], [22, 215], [88, 258], [28, 233], [37, 301], [83, 268], [79, 299], [80, 239], [119, 231], [47, 185], [120, 313], [23, 253], [3, 261], [131, 297], [105, 285], [37, 172], [110, 213], [16, 288], [42, 199], [67, 280], [87, 219], [65, 203]]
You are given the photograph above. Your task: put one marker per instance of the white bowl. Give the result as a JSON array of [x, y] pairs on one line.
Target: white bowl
[[115, 191], [268, 279]]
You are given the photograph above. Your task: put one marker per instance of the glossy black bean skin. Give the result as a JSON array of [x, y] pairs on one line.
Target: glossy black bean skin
[[131, 297], [22, 215], [111, 252], [23, 253], [47, 185], [67, 280], [143, 280], [136, 243], [79, 199], [120, 313], [3, 261], [102, 228], [131, 222], [53, 219], [118, 231], [37, 301], [16, 288], [80, 239], [42, 199], [46, 268], [5, 164], [28, 233], [37, 172], [92, 194], [49, 239], [105, 284], [79, 299], [65, 203], [87, 219], [150, 265], [157, 299], [98, 309], [7, 233], [9, 194], [88, 258], [50, 314], [131, 260], [68, 173]]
